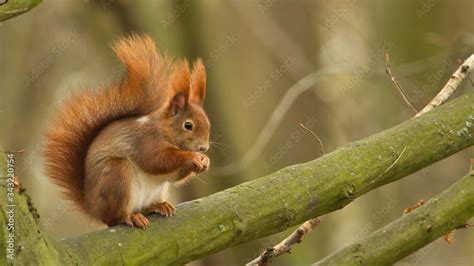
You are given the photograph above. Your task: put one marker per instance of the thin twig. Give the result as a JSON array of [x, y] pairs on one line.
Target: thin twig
[[285, 245], [388, 70], [464, 226], [453, 83], [277, 116], [14, 151], [316, 136], [468, 78], [287, 101], [295, 237]]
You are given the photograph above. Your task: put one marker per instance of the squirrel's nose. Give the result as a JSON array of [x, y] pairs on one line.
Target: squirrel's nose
[[204, 148]]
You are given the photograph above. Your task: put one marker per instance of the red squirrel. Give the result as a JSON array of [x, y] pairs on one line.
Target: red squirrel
[[115, 150]]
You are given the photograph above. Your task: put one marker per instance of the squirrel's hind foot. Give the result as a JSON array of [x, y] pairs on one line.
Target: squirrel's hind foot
[[138, 220]]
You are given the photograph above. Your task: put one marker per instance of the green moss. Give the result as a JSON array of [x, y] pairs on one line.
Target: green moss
[[448, 211], [32, 247], [288, 197], [13, 8]]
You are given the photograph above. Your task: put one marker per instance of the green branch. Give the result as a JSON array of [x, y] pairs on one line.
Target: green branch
[[13, 8], [266, 205], [446, 212], [31, 246], [275, 202]]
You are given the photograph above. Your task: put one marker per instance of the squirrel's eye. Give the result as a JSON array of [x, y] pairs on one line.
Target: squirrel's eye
[[188, 125]]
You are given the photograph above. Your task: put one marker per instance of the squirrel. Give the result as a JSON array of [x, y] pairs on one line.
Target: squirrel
[[116, 150]]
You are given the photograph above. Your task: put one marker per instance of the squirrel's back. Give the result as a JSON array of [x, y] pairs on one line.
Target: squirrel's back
[[87, 112]]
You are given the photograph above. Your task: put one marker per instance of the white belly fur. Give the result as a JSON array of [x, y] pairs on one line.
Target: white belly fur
[[146, 189]]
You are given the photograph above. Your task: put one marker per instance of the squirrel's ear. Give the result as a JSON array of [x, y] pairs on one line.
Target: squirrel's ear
[[178, 103], [198, 82], [179, 87]]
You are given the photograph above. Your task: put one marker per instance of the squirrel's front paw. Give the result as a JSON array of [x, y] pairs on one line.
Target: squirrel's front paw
[[164, 208], [200, 163]]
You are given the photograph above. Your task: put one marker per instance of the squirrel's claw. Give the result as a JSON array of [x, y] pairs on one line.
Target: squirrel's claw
[[164, 208], [138, 220]]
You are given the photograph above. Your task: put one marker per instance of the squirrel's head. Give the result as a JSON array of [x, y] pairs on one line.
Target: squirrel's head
[[187, 125]]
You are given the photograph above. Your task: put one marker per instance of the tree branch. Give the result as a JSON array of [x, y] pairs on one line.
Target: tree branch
[[285, 198], [13, 8], [402, 92], [260, 207], [453, 83], [31, 246], [446, 212], [285, 245]]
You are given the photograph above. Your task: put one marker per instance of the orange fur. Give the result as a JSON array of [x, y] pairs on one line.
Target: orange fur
[[113, 150], [198, 82], [86, 113]]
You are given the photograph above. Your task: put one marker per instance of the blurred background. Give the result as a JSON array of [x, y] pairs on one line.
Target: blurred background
[[255, 52]]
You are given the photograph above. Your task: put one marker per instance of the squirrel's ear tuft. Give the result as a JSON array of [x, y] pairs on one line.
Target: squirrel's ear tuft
[[179, 86], [180, 78], [198, 82]]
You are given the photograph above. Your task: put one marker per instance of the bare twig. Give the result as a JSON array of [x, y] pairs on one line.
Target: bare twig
[[388, 70], [453, 83], [316, 136], [287, 101], [277, 116], [285, 245], [295, 237], [464, 226], [14, 151], [468, 78]]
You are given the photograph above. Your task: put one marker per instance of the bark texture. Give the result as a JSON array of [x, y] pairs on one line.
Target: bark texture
[[272, 203]]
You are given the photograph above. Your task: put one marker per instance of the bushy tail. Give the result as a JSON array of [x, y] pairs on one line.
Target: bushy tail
[[82, 117]]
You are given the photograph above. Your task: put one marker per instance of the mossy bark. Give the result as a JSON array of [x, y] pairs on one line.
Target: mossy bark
[[264, 206], [13, 8], [31, 246], [275, 202], [449, 210]]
